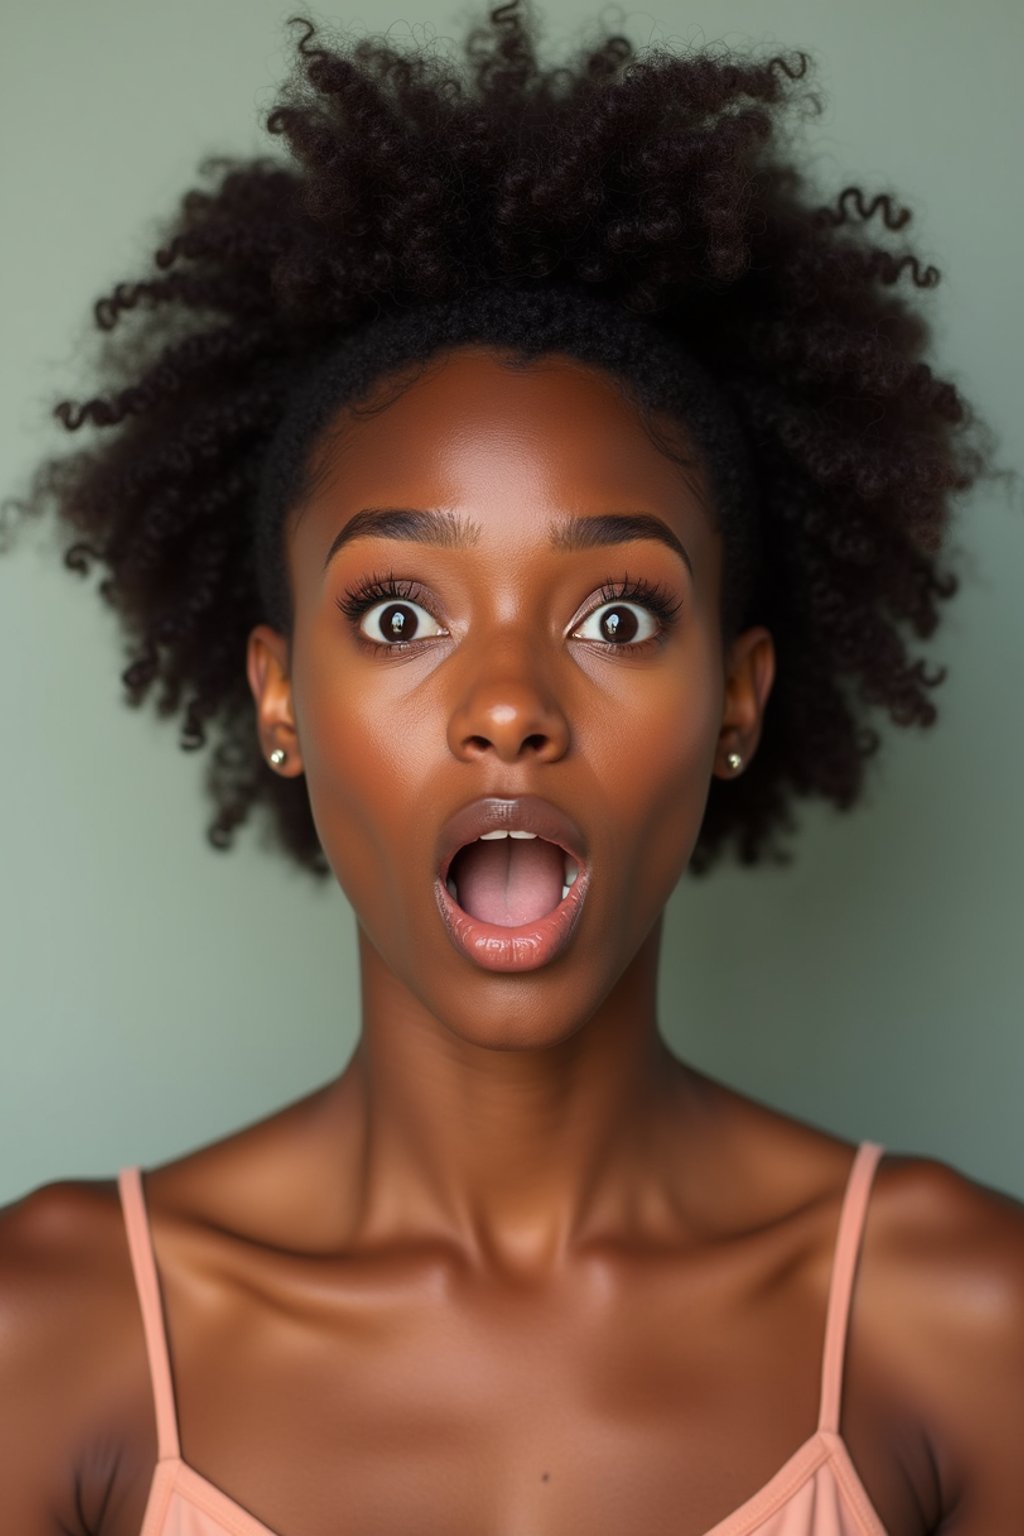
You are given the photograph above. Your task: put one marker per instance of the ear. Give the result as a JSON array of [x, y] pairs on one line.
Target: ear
[[267, 668], [750, 672]]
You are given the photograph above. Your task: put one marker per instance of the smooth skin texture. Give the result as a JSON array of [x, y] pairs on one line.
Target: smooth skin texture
[[518, 1269]]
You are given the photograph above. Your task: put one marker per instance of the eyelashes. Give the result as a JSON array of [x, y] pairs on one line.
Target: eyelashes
[[378, 589], [658, 600], [648, 594]]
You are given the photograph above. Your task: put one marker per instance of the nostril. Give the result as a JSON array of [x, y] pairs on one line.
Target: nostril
[[535, 743], [508, 733]]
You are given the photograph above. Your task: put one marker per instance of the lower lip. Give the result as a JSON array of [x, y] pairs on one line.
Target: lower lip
[[513, 949]]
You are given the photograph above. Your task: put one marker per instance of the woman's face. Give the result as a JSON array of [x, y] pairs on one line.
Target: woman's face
[[510, 670]]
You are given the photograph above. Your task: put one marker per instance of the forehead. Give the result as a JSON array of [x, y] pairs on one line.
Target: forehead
[[511, 446]]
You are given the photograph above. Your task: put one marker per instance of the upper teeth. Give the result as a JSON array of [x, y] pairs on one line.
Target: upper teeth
[[486, 837]]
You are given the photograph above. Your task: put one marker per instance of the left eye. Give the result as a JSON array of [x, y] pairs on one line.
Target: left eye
[[619, 623], [398, 620]]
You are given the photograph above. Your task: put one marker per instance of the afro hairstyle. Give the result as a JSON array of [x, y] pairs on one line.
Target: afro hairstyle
[[662, 183]]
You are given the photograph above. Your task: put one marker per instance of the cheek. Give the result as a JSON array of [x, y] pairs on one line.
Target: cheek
[[655, 765], [360, 763]]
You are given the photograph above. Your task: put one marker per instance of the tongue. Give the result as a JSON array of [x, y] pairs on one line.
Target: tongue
[[509, 881]]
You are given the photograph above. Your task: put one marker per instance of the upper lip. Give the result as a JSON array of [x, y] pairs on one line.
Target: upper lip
[[523, 813]]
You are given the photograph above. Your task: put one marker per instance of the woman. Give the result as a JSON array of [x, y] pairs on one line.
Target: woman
[[572, 487]]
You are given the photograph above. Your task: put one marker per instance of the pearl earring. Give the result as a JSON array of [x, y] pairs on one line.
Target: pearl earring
[[734, 761], [278, 757]]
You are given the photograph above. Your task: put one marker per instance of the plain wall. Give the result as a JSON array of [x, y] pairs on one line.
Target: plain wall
[[156, 994]]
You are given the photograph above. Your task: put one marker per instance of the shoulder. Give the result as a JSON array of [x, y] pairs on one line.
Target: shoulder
[[67, 1326], [941, 1299], [60, 1250], [930, 1223]]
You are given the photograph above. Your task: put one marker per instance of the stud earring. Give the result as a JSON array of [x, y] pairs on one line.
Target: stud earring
[[278, 757], [734, 761]]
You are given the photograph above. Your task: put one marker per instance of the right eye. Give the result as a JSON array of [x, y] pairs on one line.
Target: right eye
[[397, 622]]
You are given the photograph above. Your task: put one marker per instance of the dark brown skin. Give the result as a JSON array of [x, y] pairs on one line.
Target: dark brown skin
[[518, 1269]]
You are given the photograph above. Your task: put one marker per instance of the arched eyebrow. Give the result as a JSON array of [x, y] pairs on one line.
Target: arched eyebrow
[[448, 531], [576, 533], [444, 529]]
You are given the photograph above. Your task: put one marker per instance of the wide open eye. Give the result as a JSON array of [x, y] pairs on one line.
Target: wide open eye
[[396, 622], [619, 623]]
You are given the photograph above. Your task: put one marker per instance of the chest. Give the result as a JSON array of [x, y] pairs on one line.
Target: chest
[[502, 1413]]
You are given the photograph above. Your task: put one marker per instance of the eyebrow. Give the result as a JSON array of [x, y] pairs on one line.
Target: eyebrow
[[448, 531], [576, 533]]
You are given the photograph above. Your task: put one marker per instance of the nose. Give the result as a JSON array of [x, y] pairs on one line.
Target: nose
[[509, 708]]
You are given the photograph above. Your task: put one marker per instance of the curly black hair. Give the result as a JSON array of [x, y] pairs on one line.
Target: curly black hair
[[663, 184]]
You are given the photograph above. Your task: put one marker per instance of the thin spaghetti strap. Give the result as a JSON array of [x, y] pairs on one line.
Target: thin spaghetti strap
[[844, 1269], [147, 1283]]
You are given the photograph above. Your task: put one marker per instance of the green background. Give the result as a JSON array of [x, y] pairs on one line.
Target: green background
[[156, 994]]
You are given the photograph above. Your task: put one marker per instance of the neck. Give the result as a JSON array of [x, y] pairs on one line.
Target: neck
[[516, 1157]]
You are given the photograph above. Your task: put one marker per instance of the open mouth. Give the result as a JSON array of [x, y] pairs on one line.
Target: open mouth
[[512, 877]]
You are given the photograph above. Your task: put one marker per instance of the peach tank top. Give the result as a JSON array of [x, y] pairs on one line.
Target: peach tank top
[[816, 1493]]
